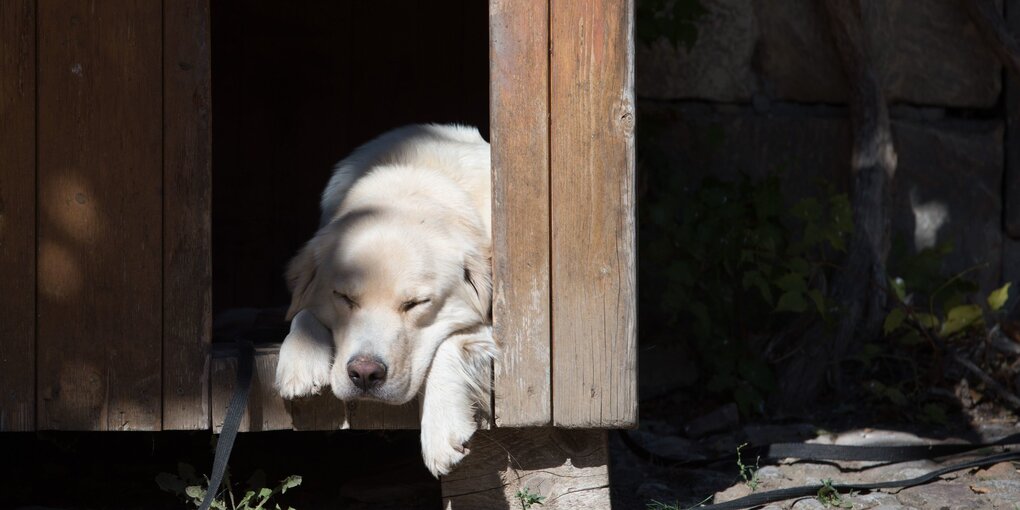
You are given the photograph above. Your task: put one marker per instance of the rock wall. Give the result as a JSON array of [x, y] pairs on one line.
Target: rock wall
[[761, 90]]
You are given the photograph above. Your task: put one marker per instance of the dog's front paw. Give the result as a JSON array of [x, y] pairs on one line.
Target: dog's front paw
[[306, 358], [444, 442]]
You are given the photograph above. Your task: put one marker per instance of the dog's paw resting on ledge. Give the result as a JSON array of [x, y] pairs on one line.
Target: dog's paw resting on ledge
[[306, 358], [391, 298]]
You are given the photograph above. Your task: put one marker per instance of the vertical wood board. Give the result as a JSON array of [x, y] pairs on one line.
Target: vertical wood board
[[100, 219], [593, 229], [187, 203], [519, 112], [17, 215]]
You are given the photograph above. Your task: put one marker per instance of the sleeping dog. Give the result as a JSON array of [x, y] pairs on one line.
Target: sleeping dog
[[391, 298]]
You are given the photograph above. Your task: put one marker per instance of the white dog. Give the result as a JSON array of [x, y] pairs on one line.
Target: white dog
[[392, 295]]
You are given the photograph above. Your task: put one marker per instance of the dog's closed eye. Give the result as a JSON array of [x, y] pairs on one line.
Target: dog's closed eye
[[406, 306], [347, 299]]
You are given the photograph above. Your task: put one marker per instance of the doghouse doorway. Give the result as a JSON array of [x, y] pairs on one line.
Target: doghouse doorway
[[296, 87]]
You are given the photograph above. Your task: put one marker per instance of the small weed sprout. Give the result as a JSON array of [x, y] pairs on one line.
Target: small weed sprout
[[528, 498], [189, 486], [748, 473], [658, 505], [830, 497]]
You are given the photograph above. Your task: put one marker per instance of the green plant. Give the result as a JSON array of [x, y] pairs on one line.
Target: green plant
[[955, 318], [188, 485], [829, 496], [748, 473], [730, 266], [658, 505], [528, 498]]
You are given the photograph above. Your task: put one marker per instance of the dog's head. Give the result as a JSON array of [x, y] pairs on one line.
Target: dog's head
[[391, 287]]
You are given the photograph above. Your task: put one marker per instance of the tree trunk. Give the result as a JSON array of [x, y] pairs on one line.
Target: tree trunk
[[859, 286]]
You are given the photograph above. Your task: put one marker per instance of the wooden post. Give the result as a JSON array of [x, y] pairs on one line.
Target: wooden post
[[100, 180], [519, 84], [187, 203], [17, 215], [568, 468], [593, 230]]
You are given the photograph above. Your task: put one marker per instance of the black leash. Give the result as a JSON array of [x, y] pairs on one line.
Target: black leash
[[807, 451], [232, 421]]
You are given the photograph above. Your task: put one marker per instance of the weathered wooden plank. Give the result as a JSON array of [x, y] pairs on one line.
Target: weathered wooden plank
[[593, 231], [519, 85], [100, 219], [569, 468], [17, 215], [265, 409], [187, 185]]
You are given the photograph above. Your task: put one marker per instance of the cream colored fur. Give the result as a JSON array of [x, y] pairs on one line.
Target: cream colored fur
[[400, 272]]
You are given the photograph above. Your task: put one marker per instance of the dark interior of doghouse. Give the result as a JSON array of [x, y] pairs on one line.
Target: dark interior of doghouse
[[296, 87]]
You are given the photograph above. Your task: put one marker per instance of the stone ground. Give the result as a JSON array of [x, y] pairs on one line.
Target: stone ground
[[637, 482]]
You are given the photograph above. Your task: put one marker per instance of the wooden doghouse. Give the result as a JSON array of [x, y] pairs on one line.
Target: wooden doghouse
[[134, 137]]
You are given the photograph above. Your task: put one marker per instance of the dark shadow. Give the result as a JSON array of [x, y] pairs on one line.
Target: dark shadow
[[296, 88], [97, 470]]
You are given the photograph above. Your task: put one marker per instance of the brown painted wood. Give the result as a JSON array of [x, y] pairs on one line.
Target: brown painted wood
[[99, 232], [569, 468], [17, 215], [265, 409], [187, 204], [593, 231], [519, 120]]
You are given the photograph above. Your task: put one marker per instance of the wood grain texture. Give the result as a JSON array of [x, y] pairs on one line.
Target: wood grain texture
[[268, 411], [17, 215], [519, 124], [568, 467], [99, 233], [265, 409], [593, 231], [187, 204]]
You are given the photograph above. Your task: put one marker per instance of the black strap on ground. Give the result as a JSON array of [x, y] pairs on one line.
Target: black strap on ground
[[232, 421], [764, 498], [828, 452], [812, 451]]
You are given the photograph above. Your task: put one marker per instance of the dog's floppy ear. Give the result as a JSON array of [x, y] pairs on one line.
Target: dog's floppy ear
[[301, 279], [478, 280]]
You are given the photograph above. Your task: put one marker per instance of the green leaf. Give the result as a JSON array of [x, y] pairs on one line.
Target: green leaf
[[911, 337], [290, 482], [927, 320], [791, 301], [247, 497], [960, 318], [819, 300], [894, 320], [792, 282], [899, 287], [998, 297], [896, 396]]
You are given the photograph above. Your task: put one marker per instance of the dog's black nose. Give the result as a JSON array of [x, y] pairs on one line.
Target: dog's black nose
[[366, 373]]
